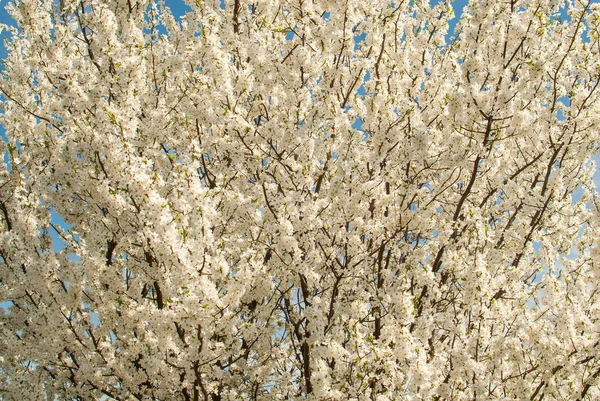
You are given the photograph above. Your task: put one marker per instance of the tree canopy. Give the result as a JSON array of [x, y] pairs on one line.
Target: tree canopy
[[300, 199]]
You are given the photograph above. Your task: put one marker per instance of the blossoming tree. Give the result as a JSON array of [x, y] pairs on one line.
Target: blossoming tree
[[303, 199]]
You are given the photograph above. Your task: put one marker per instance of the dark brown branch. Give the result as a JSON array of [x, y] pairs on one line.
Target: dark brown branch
[[306, 366], [347, 96], [588, 385], [29, 112], [158, 296], [380, 56], [87, 40], [269, 203], [236, 11], [5, 213], [101, 164], [110, 248]]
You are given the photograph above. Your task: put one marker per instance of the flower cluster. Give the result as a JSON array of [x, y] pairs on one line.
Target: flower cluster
[[304, 199]]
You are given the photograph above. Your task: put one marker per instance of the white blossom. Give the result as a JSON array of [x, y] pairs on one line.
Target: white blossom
[[188, 210]]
